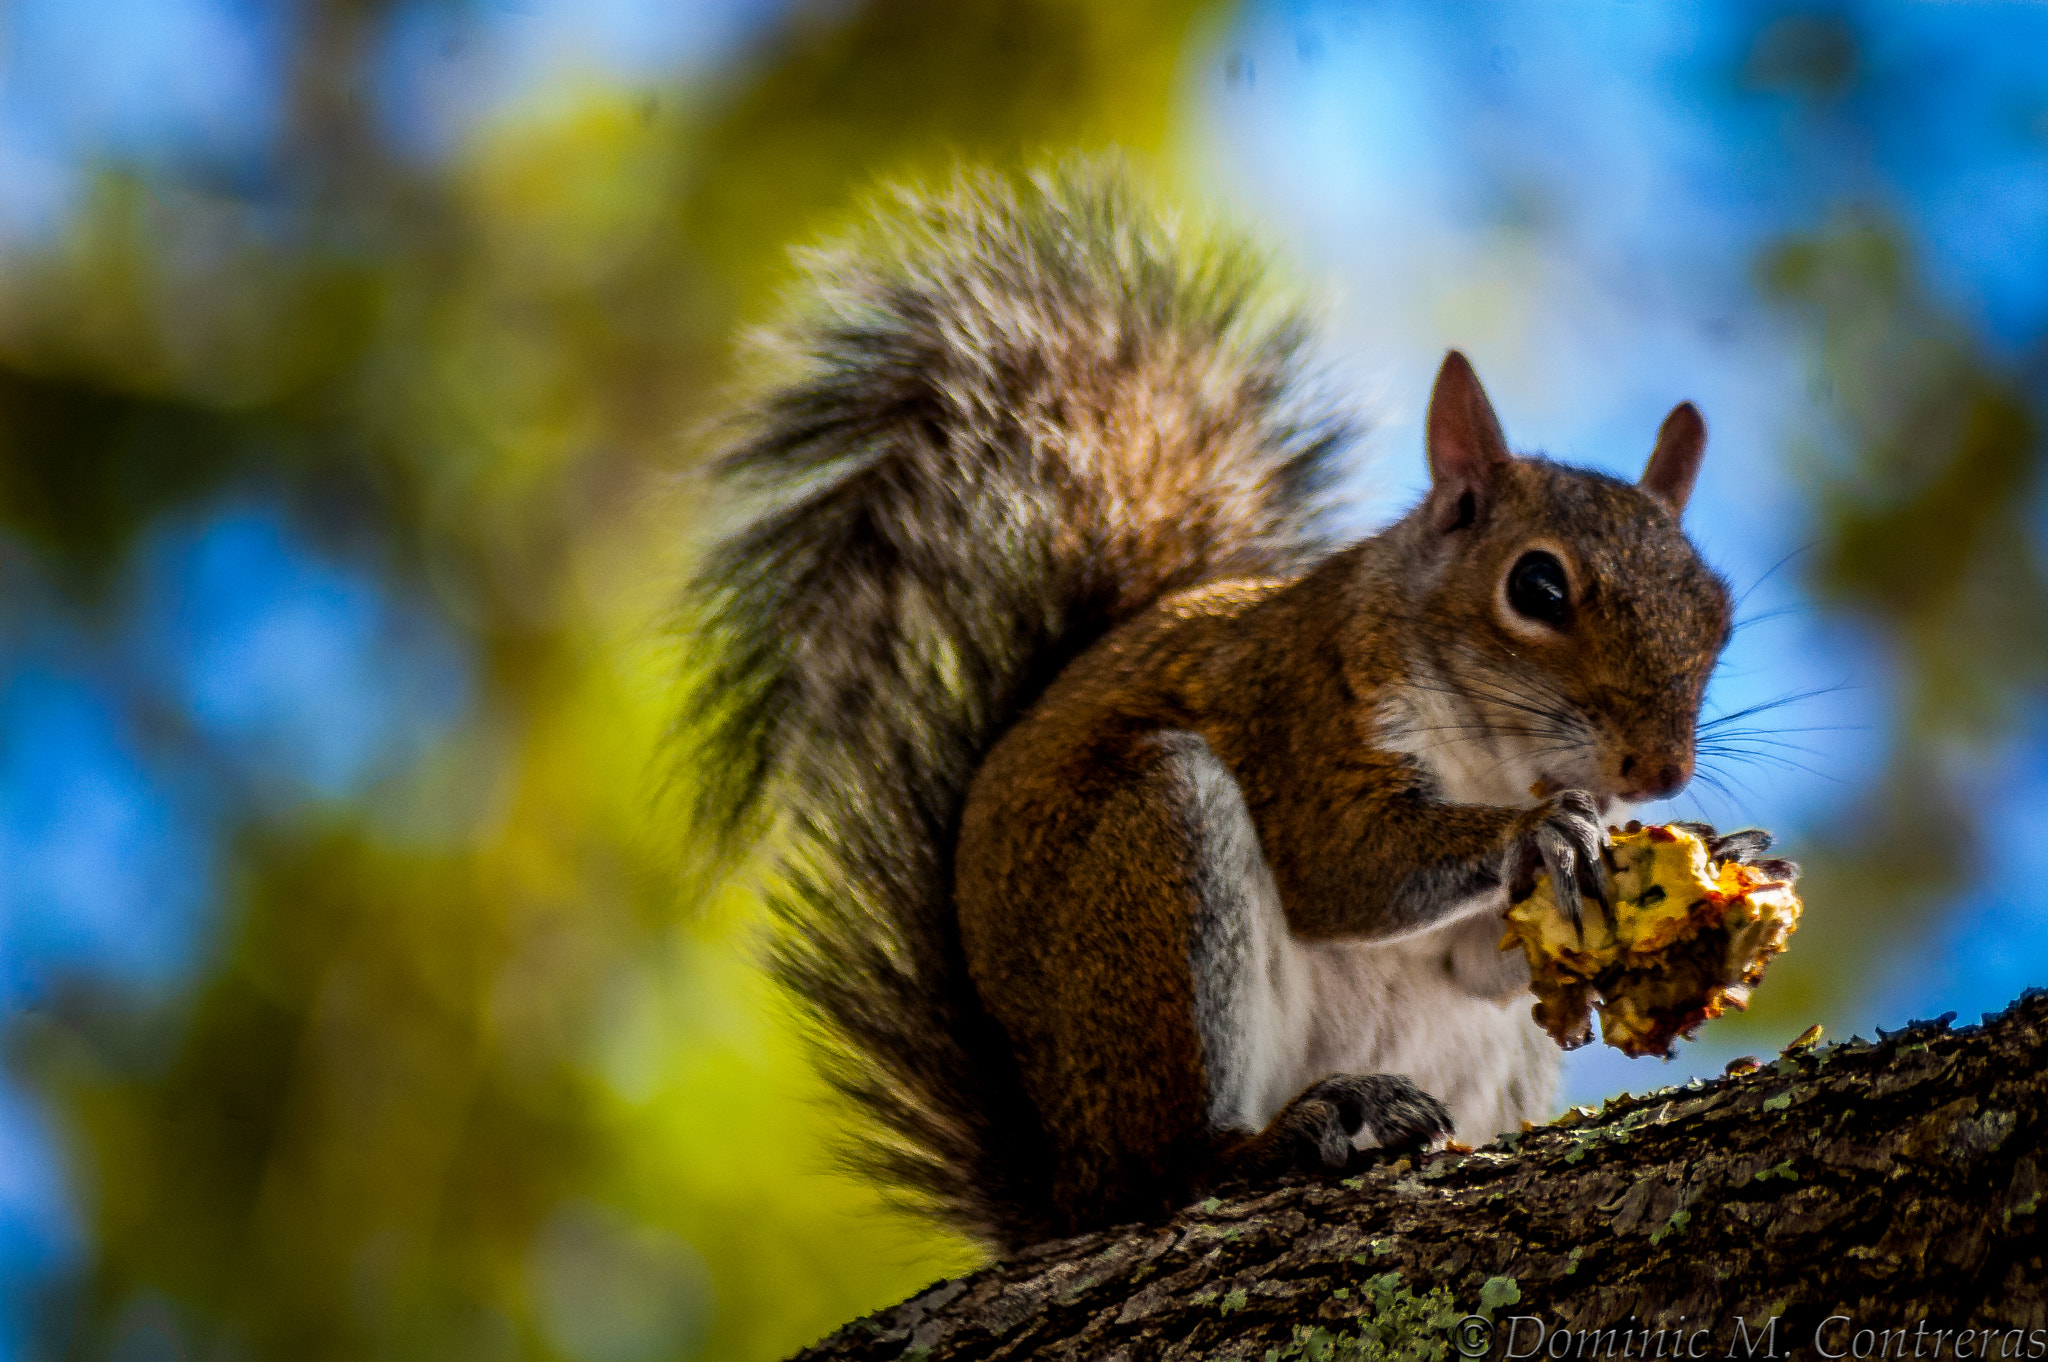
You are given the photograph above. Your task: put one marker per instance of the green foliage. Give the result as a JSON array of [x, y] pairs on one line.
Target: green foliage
[[464, 1078], [1924, 532]]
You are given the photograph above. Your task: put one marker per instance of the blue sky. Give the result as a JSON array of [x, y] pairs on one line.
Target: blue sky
[[189, 85], [295, 678], [1575, 195], [448, 68]]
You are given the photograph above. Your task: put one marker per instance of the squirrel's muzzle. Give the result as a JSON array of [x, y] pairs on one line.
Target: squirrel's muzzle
[[1654, 775]]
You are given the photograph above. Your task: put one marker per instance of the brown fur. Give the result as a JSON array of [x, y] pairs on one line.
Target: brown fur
[[1041, 493], [1073, 883], [1005, 419]]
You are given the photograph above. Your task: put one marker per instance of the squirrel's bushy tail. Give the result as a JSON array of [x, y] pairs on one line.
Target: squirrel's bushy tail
[[1017, 415]]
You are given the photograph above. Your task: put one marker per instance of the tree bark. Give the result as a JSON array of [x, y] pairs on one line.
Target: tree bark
[[1895, 1185]]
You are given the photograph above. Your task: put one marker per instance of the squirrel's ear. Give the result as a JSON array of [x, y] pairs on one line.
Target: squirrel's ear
[[1466, 447], [1675, 462]]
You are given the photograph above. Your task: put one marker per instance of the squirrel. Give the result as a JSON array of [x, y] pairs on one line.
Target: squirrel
[[1136, 840]]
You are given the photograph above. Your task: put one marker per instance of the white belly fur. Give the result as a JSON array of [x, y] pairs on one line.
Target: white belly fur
[[1443, 1006]]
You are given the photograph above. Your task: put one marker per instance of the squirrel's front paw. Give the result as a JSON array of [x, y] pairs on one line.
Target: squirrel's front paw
[[1746, 845], [1564, 838]]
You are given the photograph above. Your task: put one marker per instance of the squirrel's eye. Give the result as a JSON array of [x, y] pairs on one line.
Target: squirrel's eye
[[1536, 588]]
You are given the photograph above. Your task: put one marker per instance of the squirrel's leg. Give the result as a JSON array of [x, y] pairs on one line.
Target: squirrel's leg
[[1395, 865], [1084, 959], [1150, 989], [1254, 1005]]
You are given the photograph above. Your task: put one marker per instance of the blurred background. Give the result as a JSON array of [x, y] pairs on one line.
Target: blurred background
[[354, 359]]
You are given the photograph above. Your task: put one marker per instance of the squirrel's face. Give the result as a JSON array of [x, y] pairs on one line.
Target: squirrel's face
[[1583, 623], [1568, 608]]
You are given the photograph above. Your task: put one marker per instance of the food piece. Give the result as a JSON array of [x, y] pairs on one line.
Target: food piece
[[1687, 938], [1805, 1040]]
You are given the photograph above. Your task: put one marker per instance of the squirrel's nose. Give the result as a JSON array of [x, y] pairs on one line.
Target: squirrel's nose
[[1655, 777]]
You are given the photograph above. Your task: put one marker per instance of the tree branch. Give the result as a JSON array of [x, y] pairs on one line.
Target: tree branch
[[1897, 1184]]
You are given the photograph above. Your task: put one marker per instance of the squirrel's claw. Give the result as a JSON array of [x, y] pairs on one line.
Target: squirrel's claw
[[1569, 843], [1744, 846], [1560, 859], [1603, 894]]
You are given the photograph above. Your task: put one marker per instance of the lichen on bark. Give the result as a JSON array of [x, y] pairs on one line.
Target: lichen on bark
[[1890, 1184]]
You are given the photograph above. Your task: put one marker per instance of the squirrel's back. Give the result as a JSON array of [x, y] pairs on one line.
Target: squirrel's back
[[1017, 415]]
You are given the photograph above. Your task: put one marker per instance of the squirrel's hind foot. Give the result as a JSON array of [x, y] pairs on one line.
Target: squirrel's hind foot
[[1317, 1131]]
